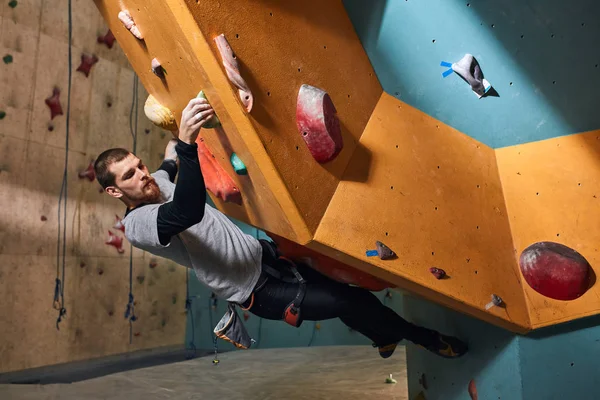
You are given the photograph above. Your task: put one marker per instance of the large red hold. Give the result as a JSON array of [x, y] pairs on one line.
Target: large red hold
[[555, 270], [318, 123]]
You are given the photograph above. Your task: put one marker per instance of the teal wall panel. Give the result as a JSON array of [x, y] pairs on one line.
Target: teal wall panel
[[540, 56]]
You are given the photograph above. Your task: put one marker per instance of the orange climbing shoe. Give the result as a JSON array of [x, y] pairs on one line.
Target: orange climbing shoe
[[387, 350], [447, 346]]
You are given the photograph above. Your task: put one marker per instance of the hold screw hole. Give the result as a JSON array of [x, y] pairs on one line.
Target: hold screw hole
[[268, 93], [510, 84], [493, 25], [433, 41], [297, 148], [237, 36], [298, 69], [522, 36], [271, 14]]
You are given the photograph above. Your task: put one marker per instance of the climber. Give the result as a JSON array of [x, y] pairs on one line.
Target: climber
[[173, 221]]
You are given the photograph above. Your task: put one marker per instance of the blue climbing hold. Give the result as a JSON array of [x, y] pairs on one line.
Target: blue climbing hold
[[238, 165]]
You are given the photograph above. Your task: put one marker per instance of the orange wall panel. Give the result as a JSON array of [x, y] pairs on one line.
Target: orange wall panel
[[282, 45], [551, 191], [434, 196], [171, 35]]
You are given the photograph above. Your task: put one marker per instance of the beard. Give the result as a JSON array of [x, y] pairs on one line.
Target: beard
[[150, 194]]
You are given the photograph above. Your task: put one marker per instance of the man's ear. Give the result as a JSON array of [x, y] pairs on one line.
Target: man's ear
[[114, 191]]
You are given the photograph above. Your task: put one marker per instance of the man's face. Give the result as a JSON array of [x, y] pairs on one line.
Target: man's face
[[133, 183]]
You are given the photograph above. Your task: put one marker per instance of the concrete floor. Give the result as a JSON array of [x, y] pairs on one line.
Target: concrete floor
[[339, 372]]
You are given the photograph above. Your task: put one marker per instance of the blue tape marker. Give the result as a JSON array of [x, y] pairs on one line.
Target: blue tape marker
[[371, 253], [447, 72], [445, 64]]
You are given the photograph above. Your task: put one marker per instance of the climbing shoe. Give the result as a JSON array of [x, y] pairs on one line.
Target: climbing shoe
[[447, 346], [387, 350]]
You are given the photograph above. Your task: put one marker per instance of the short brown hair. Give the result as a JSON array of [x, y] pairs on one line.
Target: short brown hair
[[103, 162]]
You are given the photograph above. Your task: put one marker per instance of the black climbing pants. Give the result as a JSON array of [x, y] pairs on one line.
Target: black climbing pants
[[325, 299]]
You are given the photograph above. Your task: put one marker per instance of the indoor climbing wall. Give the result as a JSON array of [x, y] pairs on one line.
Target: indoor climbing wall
[[444, 209], [34, 102], [561, 207], [523, 53], [539, 118], [278, 192], [281, 46], [276, 88]]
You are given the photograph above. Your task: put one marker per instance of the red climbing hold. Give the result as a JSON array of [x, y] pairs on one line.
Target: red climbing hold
[[246, 316], [54, 103], [437, 272], [472, 389], [119, 224], [43, 218], [555, 270], [88, 172], [108, 39], [86, 64], [318, 123], [115, 241], [153, 263], [217, 181]]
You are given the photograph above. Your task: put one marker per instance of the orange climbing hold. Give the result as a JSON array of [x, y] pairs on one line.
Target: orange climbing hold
[[217, 181], [472, 389]]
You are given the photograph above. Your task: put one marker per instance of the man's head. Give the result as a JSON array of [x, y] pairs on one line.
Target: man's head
[[124, 176]]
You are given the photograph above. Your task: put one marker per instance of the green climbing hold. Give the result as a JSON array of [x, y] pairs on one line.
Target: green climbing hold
[[2, 114], [12, 3], [238, 165], [7, 59], [214, 121]]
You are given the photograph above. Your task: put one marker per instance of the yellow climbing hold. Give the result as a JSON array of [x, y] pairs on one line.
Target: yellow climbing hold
[[159, 115]]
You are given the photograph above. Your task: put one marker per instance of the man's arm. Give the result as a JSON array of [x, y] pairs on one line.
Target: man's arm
[[171, 163], [187, 207]]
